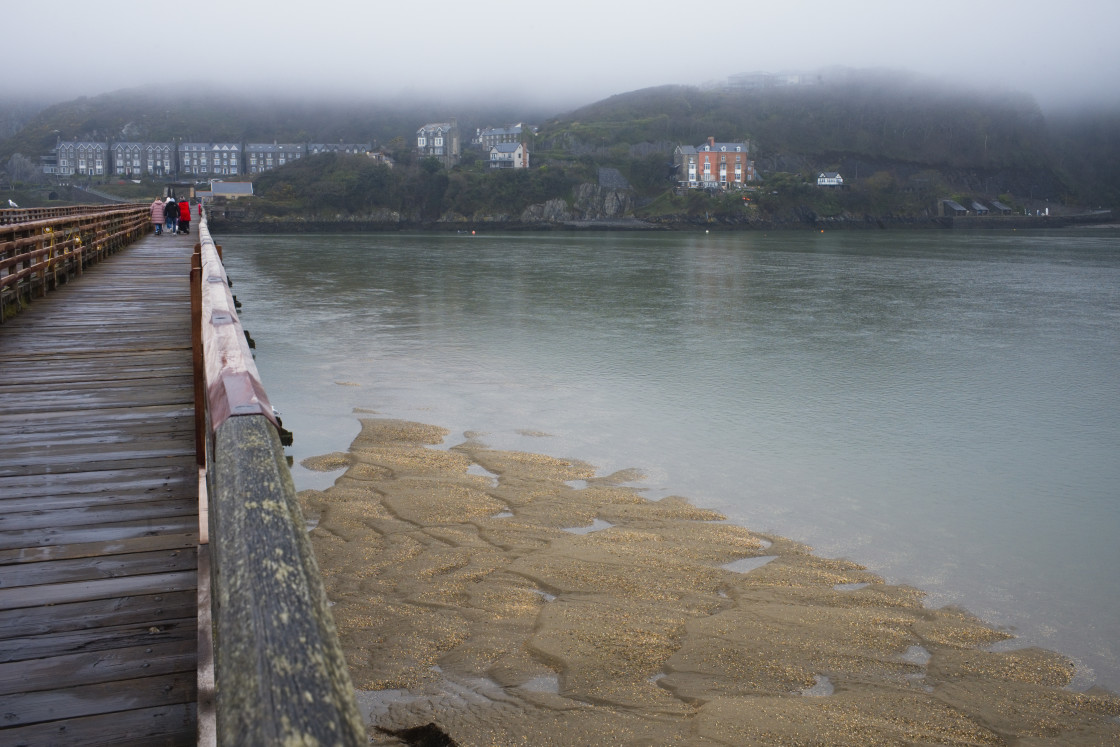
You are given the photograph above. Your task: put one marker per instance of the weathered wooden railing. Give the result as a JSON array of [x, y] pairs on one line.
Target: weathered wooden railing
[[280, 673], [48, 246], [25, 215]]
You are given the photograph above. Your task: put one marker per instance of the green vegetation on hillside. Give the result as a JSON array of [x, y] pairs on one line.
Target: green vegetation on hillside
[[901, 143], [336, 184]]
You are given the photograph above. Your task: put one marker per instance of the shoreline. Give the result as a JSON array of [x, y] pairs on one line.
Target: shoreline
[[865, 223], [508, 596]]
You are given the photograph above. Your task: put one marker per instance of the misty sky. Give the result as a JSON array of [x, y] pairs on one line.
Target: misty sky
[[574, 52]]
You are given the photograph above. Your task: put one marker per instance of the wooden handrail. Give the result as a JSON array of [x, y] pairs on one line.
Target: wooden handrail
[[26, 215], [43, 251], [281, 676]]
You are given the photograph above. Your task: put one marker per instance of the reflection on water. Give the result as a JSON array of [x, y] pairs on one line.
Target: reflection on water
[[942, 407]]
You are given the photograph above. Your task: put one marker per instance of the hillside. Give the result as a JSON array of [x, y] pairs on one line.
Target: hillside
[[205, 116], [862, 125], [901, 143]]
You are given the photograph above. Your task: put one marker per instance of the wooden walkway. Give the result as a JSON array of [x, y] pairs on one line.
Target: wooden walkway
[[99, 507]]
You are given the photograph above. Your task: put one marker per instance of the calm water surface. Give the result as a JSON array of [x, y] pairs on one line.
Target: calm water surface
[[941, 407]]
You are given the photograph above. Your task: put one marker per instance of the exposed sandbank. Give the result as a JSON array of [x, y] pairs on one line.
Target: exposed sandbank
[[461, 599]]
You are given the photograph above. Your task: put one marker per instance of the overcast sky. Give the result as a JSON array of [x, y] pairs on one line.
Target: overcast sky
[[574, 51]]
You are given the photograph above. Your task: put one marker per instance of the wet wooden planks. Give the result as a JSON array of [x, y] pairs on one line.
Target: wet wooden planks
[[98, 507]]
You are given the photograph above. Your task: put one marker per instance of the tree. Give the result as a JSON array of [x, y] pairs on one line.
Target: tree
[[22, 169]]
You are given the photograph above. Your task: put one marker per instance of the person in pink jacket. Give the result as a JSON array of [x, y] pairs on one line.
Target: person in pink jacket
[[184, 217], [157, 215]]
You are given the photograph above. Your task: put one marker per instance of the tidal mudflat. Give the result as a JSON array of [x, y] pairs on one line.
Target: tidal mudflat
[[516, 598]]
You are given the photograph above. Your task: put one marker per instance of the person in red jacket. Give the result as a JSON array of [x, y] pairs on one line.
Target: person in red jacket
[[184, 217]]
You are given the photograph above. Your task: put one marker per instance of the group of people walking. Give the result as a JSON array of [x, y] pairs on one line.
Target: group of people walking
[[172, 215]]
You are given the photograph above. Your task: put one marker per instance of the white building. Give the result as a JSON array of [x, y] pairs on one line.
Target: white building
[[509, 156]]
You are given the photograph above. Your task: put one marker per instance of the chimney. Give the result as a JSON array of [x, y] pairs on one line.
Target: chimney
[[712, 142]]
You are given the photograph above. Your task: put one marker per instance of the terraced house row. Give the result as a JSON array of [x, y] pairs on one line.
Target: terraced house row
[[134, 159]]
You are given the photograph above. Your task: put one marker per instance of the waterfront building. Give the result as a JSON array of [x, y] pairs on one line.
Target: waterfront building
[[261, 157], [81, 158], [713, 165], [222, 159], [139, 159], [380, 156], [491, 136], [439, 140], [509, 156], [230, 190], [829, 179]]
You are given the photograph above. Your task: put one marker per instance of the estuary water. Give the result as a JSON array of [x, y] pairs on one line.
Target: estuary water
[[942, 407]]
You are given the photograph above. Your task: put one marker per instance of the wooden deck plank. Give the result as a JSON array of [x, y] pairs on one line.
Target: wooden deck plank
[[108, 566], [143, 543], [107, 533], [88, 668], [171, 479], [163, 726], [102, 588], [108, 697], [98, 507], [34, 622], [27, 513], [97, 639]]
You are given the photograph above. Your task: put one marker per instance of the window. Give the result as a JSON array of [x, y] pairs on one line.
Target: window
[[421, 141], [438, 141]]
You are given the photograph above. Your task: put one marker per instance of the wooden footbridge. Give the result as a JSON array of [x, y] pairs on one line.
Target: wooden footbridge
[[156, 583]]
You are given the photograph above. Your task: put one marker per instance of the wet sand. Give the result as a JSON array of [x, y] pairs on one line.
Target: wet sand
[[513, 598]]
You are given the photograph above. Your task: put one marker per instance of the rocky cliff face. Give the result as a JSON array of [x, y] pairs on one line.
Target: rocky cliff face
[[553, 211], [589, 202]]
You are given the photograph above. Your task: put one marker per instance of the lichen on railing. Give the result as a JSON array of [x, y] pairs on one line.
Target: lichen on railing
[[281, 676]]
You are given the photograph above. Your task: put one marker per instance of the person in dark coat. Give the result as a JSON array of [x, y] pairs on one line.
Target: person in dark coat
[[184, 217], [172, 210]]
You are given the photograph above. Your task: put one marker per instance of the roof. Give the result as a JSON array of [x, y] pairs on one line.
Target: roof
[[978, 207], [829, 175], [434, 126], [231, 188], [209, 146], [272, 147], [686, 149], [339, 147], [955, 205], [723, 147], [505, 147], [511, 130], [999, 205]]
